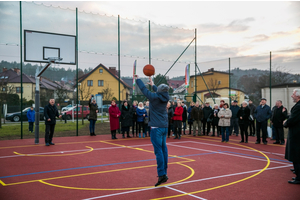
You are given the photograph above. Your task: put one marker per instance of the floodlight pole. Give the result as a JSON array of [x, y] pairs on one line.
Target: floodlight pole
[[37, 98]]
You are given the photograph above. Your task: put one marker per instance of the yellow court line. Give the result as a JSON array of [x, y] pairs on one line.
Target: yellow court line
[[112, 189], [84, 174], [2, 183], [71, 154], [228, 184], [120, 145], [217, 138]]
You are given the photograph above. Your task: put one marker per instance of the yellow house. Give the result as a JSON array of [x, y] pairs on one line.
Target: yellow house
[[104, 81], [218, 84]]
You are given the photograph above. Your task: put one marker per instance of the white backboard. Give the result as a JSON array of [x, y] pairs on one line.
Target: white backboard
[[39, 46]]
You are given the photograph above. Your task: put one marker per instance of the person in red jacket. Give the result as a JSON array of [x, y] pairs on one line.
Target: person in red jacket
[[114, 114], [177, 120]]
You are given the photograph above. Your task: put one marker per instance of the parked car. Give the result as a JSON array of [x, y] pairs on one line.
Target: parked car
[[77, 111], [15, 117], [66, 108], [105, 108]]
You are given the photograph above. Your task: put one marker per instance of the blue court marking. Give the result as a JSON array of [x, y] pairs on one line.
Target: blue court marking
[[85, 167], [286, 161]]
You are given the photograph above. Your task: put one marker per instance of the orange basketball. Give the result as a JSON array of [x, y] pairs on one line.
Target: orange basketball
[[149, 70]]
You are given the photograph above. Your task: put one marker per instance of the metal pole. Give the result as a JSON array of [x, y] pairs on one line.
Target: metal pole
[[149, 29], [206, 84], [195, 65], [229, 84], [119, 74], [76, 70], [37, 107], [21, 68], [270, 78]]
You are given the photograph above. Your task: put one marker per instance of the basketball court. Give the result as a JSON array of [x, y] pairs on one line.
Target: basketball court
[[99, 168]]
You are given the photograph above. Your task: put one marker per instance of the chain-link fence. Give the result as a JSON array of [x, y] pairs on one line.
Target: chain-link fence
[[106, 49]]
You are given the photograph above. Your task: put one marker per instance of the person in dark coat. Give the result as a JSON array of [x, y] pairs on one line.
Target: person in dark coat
[[134, 118], [126, 118], [197, 116], [292, 150], [207, 113], [262, 113], [234, 126], [93, 115], [243, 115], [50, 113], [184, 116], [190, 120], [170, 116], [31, 118], [114, 114], [252, 108], [278, 116], [141, 114], [215, 120]]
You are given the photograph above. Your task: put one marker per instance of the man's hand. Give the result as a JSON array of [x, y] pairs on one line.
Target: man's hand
[[284, 122], [59, 116], [117, 115], [96, 111], [150, 81], [144, 115], [136, 77], [283, 110], [241, 117], [49, 120]]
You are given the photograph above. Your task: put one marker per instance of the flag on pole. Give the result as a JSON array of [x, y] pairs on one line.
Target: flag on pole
[[133, 77], [187, 77]]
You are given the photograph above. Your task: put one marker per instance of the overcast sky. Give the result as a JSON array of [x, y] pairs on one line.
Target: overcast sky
[[224, 29]]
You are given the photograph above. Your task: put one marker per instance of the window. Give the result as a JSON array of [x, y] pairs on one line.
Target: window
[[4, 89], [100, 71], [219, 82], [85, 108], [90, 82], [192, 84], [100, 82], [18, 89]]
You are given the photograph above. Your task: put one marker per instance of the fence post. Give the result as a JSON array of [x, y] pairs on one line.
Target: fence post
[[21, 68], [195, 80], [229, 83], [76, 70], [270, 79]]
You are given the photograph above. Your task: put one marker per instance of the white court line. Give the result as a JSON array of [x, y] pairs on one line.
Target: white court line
[[204, 179], [185, 193], [230, 154], [69, 151], [245, 149]]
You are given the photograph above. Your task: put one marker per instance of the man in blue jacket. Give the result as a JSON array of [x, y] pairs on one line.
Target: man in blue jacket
[[158, 121], [262, 113], [31, 118]]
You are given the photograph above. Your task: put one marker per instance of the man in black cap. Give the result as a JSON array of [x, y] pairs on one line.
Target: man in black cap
[[262, 113], [234, 122]]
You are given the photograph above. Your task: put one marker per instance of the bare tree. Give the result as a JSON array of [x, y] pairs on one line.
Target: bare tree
[[213, 85], [107, 93], [84, 92], [62, 93]]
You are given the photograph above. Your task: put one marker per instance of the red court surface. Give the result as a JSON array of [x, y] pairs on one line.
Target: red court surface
[[100, 168]]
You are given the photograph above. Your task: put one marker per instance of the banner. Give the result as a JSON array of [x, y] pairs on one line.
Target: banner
[[133, 77], [187, 78]]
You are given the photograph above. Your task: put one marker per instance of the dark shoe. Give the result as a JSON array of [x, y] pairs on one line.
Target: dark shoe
[[175, 137], [51, 143], [257, 142], [294, 182], [179, 137], [293, 178], [128, 136], [265, 143], [246, 142], [242, 141], [47, 144], [91, 134], [276, 142], [123, 136], [292, 170], [282, 143], [213, 135], [161, 179], [168, 136]]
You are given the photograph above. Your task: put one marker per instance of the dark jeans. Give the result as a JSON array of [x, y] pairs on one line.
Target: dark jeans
[[279, 134], [141, 127], [49, 133], [184, 127], [146, 129], [225, 137], [30, 126], [158, 139], [214, 127], [204, 125], [170, 127], [244, 131], [134, 126], [297, 170], [263, 127], [190, 128], [177, 128], [234, 125], [252, 127], [92, 125], [125, 129]]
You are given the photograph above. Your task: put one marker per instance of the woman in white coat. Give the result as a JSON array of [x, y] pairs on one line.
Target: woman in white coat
[[224, 122]]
